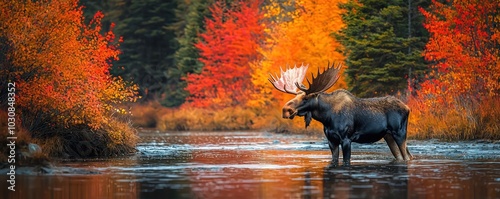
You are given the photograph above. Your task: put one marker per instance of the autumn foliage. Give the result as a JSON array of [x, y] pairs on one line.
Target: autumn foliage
[[463, 50], [60, 66], [460, 98], [242, 45], [299, 32], [227, 48]]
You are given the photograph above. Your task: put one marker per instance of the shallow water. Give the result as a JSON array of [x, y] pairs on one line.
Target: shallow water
[[266, 165]]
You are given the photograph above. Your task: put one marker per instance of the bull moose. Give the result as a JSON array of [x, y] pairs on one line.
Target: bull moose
[[345, 118]]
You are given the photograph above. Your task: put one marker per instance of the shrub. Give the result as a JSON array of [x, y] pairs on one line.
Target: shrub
[[64, 92], [462, 121], [81, 141]]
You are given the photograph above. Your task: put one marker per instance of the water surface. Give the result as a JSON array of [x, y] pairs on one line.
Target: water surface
[[266, 165]]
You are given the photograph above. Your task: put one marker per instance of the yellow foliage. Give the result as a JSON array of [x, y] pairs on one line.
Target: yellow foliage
[[189, 118], [299, 33]]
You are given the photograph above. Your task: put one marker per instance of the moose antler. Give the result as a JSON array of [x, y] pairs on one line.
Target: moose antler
[[322, 81], [289, 80]]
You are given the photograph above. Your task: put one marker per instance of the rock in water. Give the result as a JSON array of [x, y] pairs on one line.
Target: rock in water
[[34, 148]]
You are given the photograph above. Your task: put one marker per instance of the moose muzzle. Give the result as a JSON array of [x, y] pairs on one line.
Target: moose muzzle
[[290, 109], [289, 113]]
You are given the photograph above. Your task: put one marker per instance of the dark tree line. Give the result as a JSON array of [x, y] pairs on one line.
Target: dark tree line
[[383, 43], [158, 43]]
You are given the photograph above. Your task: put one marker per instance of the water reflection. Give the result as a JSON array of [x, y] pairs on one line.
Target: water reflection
[[259, 165], [455, 179], [366, 181], [81, 186]]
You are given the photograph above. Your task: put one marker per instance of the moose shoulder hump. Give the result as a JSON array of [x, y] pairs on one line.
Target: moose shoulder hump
[[340, 99]]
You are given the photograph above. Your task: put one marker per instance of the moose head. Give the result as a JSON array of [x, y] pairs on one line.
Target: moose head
[[290, 82]]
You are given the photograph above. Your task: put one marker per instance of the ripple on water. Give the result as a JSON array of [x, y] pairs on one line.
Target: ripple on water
[[197, 166]]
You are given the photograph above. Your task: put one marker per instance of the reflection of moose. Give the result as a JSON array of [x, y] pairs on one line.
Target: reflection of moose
[[345, 118], [369, 180]]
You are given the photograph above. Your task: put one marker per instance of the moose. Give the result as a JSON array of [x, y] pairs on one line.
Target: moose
[[345, 118]]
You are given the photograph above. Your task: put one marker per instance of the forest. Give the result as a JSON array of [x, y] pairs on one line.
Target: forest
[[99, 69]]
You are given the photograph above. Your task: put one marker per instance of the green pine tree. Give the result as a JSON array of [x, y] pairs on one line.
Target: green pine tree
[[158, 48], [148, 46], [383, 41], [191, 16]]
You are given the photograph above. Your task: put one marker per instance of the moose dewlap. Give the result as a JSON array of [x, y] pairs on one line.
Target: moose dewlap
[[345, 117]]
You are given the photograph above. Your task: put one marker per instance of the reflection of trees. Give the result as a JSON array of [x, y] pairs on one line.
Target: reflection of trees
[[250, 174], [363, 181], [76, 187], [453, 179], [219, 176]]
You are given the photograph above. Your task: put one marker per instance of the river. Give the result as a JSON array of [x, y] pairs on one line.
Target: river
[[266, 165]]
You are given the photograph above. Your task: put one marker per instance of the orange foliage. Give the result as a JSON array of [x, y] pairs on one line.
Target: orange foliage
[[463, 49], [460, 99], [299, 33], [228, 46], [61, 65]]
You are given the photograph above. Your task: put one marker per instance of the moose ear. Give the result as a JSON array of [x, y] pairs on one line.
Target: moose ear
[[308, 118]]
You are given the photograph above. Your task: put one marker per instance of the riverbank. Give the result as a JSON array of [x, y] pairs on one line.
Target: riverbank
[[23, 147]]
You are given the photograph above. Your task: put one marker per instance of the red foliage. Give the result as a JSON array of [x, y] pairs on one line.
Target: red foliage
[[60, 64], [463, 49], [227, 48]]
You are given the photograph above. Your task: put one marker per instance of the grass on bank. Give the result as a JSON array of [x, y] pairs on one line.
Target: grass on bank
[[153, 115], [462, 121]]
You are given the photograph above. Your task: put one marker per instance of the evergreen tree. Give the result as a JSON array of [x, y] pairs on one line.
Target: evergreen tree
[[190, 15], [148, 47], [158, 48], [383, 43]]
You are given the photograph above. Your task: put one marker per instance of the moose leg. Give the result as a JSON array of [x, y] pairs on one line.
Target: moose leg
[[409, 154], [404, 150], [346, 151], [393, 146], [401, 141], [334, 148], [400, 138]]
